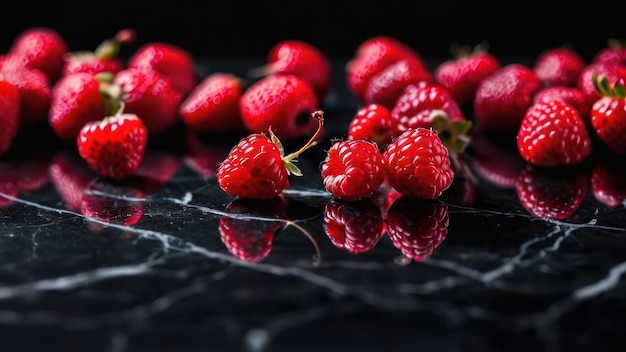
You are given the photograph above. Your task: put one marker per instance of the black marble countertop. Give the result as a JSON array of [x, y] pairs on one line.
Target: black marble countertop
[[141, 265]]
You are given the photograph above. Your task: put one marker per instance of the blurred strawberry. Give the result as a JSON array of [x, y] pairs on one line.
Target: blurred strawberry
[[9, 114], [552, 192], [39, 48], [417, 226], [612, 71], [571, 95], [559, 66], [105, 58], [355, 226], [112, 202], [386, 86], [170, 61], [607, 181], [249, 227], [150, 95], [302, 59], [35, 95], [70, 175], [33, 170]]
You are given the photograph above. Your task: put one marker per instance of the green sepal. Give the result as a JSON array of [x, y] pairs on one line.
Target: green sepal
[[277, 142], [292, 169], [453, 134]]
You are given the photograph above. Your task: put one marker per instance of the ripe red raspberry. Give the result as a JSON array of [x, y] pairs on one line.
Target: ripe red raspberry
[[353, 169], [553, 133], [418, 164], [372, 123], [417, 226], [355, 226], [256, 168], [282, 102]]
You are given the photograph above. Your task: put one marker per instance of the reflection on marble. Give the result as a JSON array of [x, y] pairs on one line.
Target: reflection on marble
[[512, 258]]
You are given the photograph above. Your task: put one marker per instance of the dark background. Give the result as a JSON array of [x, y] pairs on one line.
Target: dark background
[[237, 28]]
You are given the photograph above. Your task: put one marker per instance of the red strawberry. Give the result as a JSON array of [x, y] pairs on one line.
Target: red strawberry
[[114, 146], [256, 166], [103, 59], [559, 66], [76, 100], [608, 114], [386, 86], [553, 193], [571, 95], [417, 226], [213, 106], [355, 226], [353, 169], [552, 134], [607, 181], [171, 61], [151, 96], [614, 52], [418, 164], [461, 75], [112, 203], [372, 122], [302, 59], [414, 106], [9, 114], [282, 102], [372, 56], [250, 226], [70, 175], [39, 48], [502, 98], [35, 95], [610, 70]]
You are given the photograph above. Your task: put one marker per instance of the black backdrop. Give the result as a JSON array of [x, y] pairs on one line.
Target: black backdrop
[[250, 28]]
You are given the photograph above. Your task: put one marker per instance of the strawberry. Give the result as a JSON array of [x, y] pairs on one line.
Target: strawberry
[[282, 102], [610, 70], [151, 96], [353, 169], [607, 181], [559, 66], [372, 56], [418, 164], [608, 114], [35, 95], [105, 58], [213, 106], [462, 74], [171, 61], [76, 100], [256, 166], [386, 86], [9, 114], [414, 106], [39, 48], [553, 193], [571, 95], [614, 52], [372, 122], [302, 59], [355, 226], [417, 226], [113, 146], [112, 203], [503, 97], [553, 133], [250, 225]]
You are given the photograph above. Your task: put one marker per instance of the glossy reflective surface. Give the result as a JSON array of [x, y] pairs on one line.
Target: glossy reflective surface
[[511, 258]]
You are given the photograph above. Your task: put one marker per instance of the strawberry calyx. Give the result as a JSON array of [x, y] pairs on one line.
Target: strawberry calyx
[[111, 93], [604, 87], [453, 133], [109, 48], [290, 159]]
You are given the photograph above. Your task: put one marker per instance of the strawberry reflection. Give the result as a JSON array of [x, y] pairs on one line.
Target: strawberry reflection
[[493, 162], [27, 173], [70, 175], [250, 226], [156, 169], [355, 226], [607, 181], [202, 157], [552, 192], [111, 202], [9, 187], [417, 226]]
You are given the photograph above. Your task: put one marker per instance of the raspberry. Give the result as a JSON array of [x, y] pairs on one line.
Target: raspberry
[[418, 164]]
